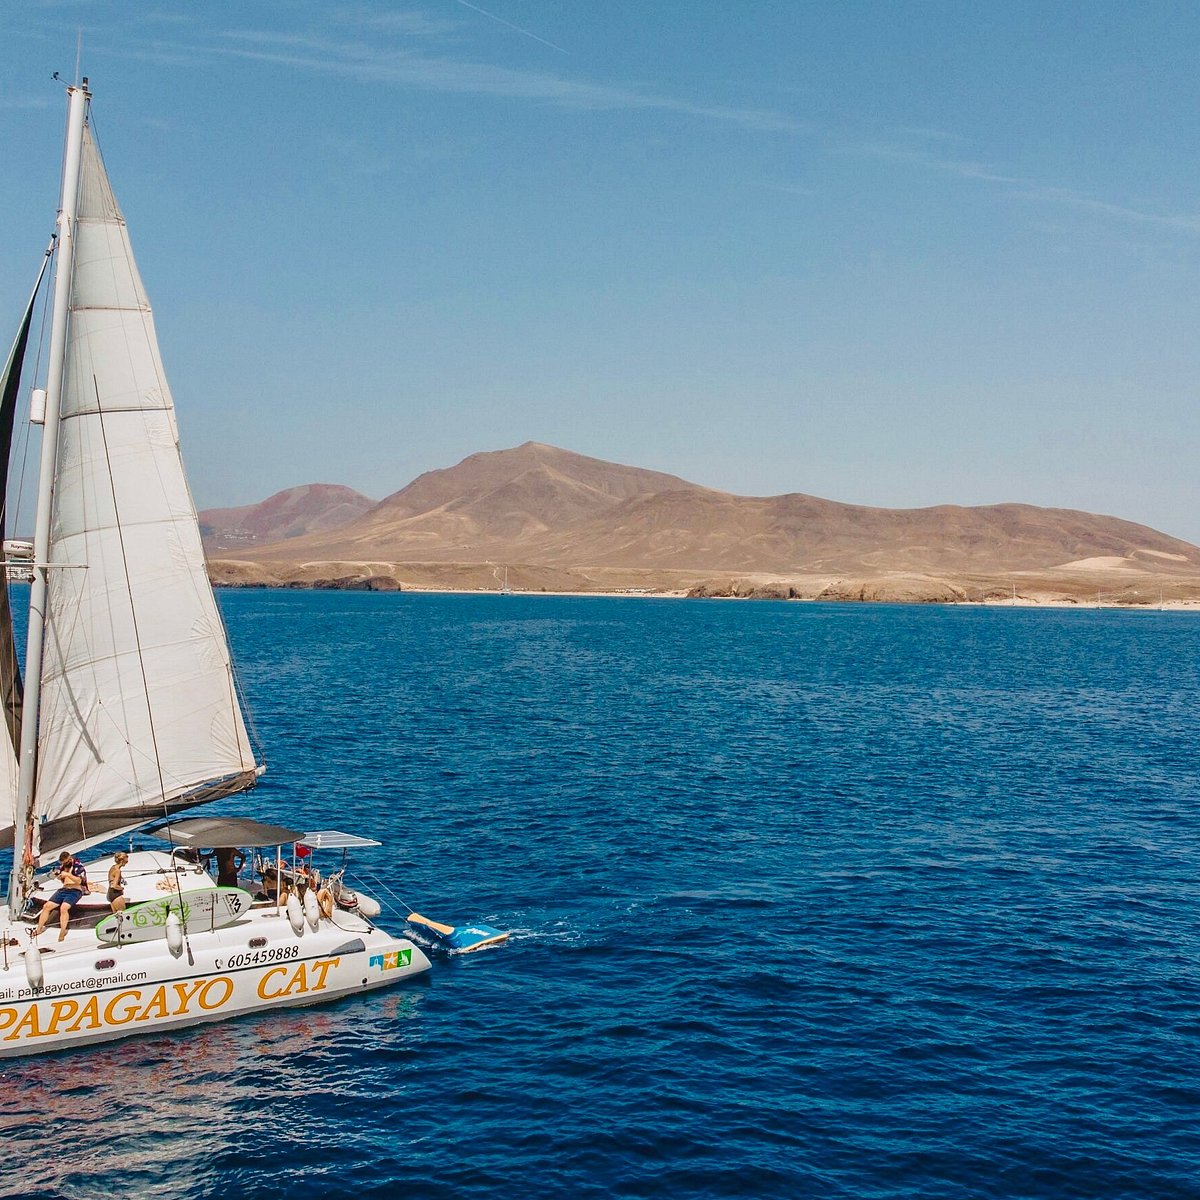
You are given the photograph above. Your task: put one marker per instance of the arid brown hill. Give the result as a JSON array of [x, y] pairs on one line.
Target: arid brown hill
[[540, 505], [312, 508]]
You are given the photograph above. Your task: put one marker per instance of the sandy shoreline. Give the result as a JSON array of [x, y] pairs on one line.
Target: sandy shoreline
[[1188, 606], [1095, 583]]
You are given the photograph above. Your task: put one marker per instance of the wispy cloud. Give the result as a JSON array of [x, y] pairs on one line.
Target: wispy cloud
[[405, 48], [964, 168], [408, 66], [403, 22], [1188, 222], [1023, 188]]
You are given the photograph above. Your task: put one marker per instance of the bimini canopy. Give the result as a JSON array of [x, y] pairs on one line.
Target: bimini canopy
[[332, 839], [226, 831]]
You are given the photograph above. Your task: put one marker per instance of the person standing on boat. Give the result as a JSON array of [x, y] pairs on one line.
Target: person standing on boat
[[229, 862], [116, 881], [72, 883]]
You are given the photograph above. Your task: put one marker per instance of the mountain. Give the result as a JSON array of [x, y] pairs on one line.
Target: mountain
[[540, 505], [311, 508], [493, 505]]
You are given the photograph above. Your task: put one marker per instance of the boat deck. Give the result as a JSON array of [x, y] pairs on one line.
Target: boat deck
[[149, 875]]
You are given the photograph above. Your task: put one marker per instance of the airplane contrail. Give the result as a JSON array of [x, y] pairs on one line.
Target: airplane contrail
[[517, 28]]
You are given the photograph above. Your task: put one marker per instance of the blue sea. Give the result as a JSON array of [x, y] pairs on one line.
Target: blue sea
[[808, 900]]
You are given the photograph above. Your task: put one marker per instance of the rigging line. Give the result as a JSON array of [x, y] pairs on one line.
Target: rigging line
[[379, 884], [257, 749], [137, 638]]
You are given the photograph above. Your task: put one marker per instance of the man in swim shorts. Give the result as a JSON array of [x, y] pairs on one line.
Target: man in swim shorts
[[72, 883]]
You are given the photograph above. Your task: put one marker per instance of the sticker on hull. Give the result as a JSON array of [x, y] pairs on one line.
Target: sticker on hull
[[391, 960]]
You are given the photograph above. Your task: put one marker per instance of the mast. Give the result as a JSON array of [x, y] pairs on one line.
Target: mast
[[23, 853]]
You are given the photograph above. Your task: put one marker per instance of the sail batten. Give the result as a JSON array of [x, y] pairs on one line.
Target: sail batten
[[138, 713]]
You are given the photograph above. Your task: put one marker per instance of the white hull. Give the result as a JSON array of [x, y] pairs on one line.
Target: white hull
[[93, 992]]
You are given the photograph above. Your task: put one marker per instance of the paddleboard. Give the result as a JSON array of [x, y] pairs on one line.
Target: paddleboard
[[205, 908], [461, 939]]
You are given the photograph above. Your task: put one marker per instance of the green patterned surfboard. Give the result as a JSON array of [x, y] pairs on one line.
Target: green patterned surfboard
[[205, 908]]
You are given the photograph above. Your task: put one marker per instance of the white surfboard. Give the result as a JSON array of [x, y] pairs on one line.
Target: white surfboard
[[205, 908]]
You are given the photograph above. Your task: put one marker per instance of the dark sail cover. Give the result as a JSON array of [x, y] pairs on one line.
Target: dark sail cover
[[86, 829], [10, 388]]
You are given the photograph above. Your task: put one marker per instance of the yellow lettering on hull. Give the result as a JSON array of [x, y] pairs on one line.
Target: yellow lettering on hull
[[185, 992], [215, 992], [90, 1014], [27, 1026], [114, 1015], [157, 1006], [294, 981], [134, 1006], [61, 1010]]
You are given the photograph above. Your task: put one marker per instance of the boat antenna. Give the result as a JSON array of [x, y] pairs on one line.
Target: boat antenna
[[78, 52]]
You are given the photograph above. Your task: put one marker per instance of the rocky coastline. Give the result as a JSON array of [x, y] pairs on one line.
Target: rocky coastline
[[1111, 589]]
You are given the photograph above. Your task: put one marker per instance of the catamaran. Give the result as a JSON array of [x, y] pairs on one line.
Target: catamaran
[[128, 714]]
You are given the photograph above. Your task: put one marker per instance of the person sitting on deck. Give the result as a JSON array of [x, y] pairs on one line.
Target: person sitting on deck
[[271, 889], [72, 883]]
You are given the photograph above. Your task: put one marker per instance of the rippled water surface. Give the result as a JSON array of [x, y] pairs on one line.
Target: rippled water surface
[[829, 901]]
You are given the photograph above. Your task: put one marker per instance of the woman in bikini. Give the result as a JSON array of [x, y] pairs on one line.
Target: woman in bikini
[[116, 881]]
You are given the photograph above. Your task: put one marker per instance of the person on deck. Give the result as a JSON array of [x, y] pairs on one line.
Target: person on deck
[[229, 863], [273, 888], [72, 883], [116, 881]]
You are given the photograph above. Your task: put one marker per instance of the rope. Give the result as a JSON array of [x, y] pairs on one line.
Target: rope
[[378, 884]]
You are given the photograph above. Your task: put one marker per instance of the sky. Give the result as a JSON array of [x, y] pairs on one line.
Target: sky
[[896, 254]]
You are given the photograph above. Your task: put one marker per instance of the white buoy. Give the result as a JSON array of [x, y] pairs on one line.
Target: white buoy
[[174, 934], [33, 968], [295, 914], [368, 906], [312, 909]]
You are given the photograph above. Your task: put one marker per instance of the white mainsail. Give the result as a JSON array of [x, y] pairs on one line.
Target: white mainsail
[[138, 705]]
